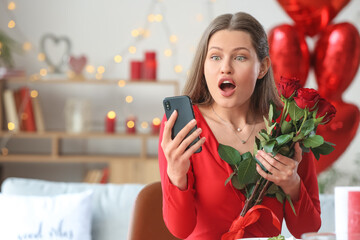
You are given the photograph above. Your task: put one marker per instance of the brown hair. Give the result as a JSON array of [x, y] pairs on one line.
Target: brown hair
[[265, 89]]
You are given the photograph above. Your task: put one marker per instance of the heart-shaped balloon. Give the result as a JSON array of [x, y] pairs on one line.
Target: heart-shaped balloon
[[289, 53], [55, 64], [337, 57], [312, 16], [77, 64], [340, 131]]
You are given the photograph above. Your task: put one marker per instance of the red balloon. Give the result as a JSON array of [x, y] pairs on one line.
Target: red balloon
[[340, 131], [312, 16], [337, 57], [289, 53]]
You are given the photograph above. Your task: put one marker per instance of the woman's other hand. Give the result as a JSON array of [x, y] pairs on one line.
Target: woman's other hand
[[176, 151], [282, 170]]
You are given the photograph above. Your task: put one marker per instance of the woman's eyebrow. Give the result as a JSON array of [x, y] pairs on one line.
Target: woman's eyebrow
[[233, 50]]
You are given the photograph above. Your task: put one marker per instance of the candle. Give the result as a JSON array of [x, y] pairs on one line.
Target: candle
[[110, 122], [136, 70], [131, 125], [155, 126], [150, 66]]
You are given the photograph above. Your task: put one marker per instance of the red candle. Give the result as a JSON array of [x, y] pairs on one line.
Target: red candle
[[136, 70], [110, 122], [131, 125], [150, 66], [155, 126]]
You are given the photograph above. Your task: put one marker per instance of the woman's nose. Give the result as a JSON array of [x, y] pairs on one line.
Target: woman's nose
[[226, 67]]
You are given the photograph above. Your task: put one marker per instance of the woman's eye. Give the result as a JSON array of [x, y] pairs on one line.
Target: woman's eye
[[240, 58], [216, 58]]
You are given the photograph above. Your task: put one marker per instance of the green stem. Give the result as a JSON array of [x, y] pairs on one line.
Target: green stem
[[305, 117], [284, 113], [263, 192], [248, 202]]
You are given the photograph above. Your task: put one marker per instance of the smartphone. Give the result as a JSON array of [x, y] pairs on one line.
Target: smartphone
[[183, 105]]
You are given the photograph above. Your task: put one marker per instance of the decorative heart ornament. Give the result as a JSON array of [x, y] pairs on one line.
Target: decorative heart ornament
[[77, 64], [56, 50], [340, 131], [289, 53], [337, 57], [312, 16]]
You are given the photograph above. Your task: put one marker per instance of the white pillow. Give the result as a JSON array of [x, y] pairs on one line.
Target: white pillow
[[61, 217]]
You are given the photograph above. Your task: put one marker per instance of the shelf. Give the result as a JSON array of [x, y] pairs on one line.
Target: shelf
[[119, 82], [33, 158], [125, 166], [59, 134]]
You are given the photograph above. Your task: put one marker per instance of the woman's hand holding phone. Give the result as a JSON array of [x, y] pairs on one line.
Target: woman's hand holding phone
[[177, 152]]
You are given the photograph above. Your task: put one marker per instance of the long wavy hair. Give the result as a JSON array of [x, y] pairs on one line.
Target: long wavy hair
[[265, 89]]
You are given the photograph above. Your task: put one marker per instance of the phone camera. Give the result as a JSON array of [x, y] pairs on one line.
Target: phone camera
[[167, 105]]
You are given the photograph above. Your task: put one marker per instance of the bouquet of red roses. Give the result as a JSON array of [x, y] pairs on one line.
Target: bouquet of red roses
[[303, 110]]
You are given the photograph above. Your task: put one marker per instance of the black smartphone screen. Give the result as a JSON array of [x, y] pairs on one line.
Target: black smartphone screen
[[183, 105]]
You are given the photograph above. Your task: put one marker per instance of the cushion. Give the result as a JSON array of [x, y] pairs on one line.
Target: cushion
[[63, 217], [112, 204]]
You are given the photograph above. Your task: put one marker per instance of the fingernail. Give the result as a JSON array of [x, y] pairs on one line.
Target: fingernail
[[199, 130]]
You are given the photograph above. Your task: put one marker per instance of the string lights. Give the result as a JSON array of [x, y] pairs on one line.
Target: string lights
[[156, 14]]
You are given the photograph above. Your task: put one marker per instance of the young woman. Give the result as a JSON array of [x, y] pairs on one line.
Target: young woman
[[231, 85]]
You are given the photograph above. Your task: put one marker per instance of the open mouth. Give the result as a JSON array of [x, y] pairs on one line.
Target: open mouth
[[227, 85]]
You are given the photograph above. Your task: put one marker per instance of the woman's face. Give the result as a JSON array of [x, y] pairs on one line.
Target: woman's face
[[231, 68]]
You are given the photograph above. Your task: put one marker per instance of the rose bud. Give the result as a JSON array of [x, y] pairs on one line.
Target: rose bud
[[306, 98], [287, 86], [325, 110]]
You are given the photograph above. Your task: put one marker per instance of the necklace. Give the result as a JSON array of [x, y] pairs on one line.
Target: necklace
[[232, 128]]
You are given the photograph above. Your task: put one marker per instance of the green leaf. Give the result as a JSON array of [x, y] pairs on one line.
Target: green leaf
[[308, 127], [269, 127], [295, 112], [229, 154], [256, 145], [291, 203], [276, 112], [313, 141], [273, 189], [271, 112], [316, 153], [286, 127], [235, 182], [264, 136], [269, 146], [324, 149], [246, 170], [284, 150], [285, 138], [229, 178], [246, 155], [298, 137], [280, 197]]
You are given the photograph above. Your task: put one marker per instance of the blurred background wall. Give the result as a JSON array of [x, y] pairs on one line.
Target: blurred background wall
[[106, 32]]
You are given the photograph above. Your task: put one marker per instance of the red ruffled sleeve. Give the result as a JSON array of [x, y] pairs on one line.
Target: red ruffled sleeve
[[178, 206], [307, 208]]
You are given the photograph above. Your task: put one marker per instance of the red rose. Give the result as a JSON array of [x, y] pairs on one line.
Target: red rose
[[326, 110], [306, 98], [287, 86]]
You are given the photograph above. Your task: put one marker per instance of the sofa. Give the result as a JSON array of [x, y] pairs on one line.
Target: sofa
[[112, 204]]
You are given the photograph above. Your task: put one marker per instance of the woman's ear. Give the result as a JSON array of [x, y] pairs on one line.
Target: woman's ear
[[264, 67]]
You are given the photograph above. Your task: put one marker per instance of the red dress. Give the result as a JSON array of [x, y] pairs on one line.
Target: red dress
[[207, 208]]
